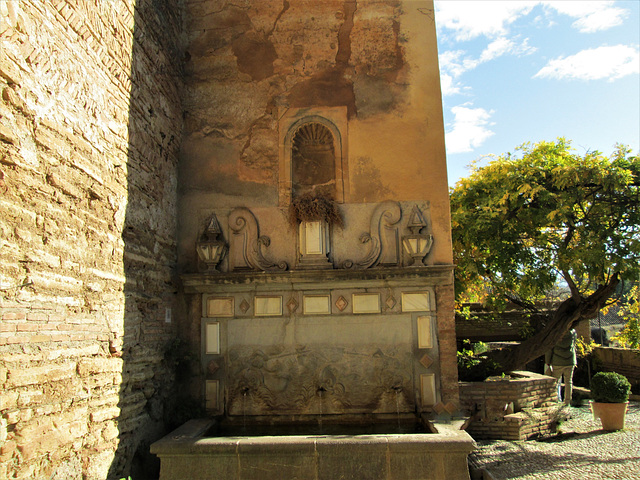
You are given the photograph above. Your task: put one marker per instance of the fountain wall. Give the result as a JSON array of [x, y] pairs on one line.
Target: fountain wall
[[338, 101]]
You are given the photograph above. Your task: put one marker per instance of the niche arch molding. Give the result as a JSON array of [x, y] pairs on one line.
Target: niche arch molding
[[290, 120]]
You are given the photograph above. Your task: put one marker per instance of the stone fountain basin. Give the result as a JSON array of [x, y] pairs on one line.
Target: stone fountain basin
[[189, 453]]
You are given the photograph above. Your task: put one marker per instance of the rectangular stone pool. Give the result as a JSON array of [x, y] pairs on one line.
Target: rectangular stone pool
[[189, 452]]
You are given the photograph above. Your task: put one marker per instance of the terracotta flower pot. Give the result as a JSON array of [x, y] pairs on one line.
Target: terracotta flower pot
[[611, 415]]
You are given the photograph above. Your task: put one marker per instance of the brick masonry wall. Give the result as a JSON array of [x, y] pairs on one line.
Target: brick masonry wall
[[512, 409], [623, 361], [90, 122]]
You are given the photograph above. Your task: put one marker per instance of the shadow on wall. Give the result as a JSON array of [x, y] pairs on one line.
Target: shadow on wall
[[149, 234]]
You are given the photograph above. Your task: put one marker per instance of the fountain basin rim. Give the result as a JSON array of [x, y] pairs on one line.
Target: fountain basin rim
[[188, 439]]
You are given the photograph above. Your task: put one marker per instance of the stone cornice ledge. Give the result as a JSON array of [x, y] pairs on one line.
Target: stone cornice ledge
[[388, 277]]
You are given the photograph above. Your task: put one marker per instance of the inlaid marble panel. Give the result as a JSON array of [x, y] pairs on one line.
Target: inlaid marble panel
[[415, 302], [428, 389], [425, 332], [212, 338], [316, 304], [366, 302], [219, 307], [268, 306]]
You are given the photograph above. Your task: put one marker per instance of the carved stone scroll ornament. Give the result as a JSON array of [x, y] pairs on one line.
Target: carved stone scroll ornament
[[246, 244], [382, 238]]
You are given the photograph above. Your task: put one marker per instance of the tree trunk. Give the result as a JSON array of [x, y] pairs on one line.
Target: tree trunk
[[571, 311]]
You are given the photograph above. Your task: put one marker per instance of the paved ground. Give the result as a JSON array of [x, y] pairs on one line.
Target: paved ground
[[582, 450]]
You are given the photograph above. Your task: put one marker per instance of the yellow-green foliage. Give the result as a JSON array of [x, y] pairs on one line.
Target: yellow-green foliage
[[629, 337], [528, 220], [584, 349]]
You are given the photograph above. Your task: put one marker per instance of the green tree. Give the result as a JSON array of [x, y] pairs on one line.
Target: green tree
[[629, 337], [527, 222]]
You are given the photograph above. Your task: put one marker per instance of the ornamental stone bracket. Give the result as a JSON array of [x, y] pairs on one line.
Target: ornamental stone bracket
[[246, 244], [382, 238]]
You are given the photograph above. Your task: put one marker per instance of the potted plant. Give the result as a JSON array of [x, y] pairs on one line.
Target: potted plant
[[609, 399]]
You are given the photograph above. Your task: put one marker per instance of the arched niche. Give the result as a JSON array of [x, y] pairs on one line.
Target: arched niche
[[313, 161], [313, 153]]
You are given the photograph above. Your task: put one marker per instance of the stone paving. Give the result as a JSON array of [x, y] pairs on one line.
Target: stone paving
[[581, 450]]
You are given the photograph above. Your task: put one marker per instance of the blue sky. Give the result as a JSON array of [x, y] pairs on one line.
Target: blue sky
[[520, 71]]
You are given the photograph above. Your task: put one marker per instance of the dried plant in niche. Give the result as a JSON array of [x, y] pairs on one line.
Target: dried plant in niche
[[314, 207]]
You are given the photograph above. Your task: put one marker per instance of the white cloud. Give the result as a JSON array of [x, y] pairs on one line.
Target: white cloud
[[449, 86], [454, 63], [471, 19], [594, 64], [469, 129], [505, 46], [592, 16]]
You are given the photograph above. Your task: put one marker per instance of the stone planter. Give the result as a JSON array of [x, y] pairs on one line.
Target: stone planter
[[611, 415], [520, 407]]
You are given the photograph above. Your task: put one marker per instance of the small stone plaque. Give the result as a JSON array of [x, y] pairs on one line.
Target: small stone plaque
[[316, 305], [426, 361], [244, 306], [341, 303], [312, 238], [220, 307], [416, 302], [428, 389], [292, 305], [211, 394], [212, 338], [366, 302], [425, 336], [390, 302], [268, 306]]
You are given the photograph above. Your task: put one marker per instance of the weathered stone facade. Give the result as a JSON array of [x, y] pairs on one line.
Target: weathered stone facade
[[90, 124], [337, 99]]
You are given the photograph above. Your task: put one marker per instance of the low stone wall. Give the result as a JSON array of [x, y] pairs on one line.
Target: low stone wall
[[518, 407], [621, 360]]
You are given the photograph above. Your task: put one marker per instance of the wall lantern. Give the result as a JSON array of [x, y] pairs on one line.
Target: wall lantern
[[210, 249], [417, 245]]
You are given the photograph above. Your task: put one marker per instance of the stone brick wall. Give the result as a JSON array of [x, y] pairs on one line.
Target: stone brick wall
[[90, 123], [621, 360], [517, 408]]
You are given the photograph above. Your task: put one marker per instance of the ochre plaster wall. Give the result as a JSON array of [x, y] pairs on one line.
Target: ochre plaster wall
[[89, 128], [249, 64], [255, 68]]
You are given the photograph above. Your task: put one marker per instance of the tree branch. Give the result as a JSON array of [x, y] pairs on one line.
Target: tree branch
[[575, 293]]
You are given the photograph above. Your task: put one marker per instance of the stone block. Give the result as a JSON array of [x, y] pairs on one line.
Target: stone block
[[19, 377], [292, 457], [104, 414], [92, 366], [351, 458], [205, 468]]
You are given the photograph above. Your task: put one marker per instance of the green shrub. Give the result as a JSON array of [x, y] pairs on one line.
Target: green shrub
[[473, 366], [610, 387]]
